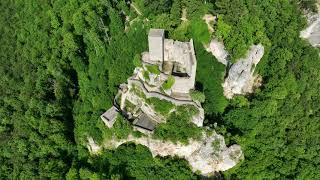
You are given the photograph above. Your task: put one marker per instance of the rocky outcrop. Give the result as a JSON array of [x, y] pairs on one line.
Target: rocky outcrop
[[93, 146], [209, 19], [218, 50], [241, 78], [312, 32], [207, 156]]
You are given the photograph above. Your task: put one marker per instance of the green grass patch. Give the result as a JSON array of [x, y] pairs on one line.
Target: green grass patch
[[137, 61], [136, 90], [197, 96], [190, 109], [146, 75], [129, 106], [154, 69], [161, 106], [168, 83], [215, 145]]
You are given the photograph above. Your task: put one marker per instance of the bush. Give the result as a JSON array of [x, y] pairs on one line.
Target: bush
[[178, 127], [137, 61], [146, 75]]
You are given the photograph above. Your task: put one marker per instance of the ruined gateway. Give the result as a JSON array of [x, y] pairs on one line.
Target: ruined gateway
[[167, 72]]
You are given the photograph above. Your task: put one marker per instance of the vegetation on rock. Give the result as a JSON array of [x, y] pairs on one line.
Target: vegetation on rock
[[62, 62], [178, 127]]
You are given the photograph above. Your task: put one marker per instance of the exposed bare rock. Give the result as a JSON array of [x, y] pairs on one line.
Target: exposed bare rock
[[207, 156], [184, 15], [209, 19], [218, 50], [93, 146], [312, 32], [241, 78]]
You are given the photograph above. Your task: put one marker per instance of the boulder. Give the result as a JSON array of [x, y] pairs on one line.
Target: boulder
[[209, 19], [241, 78], [312, 32], [92, 146], [218, 50]]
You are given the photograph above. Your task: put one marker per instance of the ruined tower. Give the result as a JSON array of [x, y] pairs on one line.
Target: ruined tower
[[156, 44]]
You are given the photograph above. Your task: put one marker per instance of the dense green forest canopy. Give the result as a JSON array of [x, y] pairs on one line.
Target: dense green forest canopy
[[62, 61]]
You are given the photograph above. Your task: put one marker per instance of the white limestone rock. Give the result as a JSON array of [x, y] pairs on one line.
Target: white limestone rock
[[312, 32], [145, 56], [207, 156], [241, 78], [209, 19], [198, 119], [218, 50], [93, 146]]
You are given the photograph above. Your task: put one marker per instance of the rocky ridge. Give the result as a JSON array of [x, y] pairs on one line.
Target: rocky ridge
[[241, 78], [207, 156]]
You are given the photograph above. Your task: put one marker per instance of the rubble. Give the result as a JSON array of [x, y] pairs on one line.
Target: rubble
[[241, 78]]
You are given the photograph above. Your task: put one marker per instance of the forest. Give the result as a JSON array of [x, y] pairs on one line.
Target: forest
[[62, 61]]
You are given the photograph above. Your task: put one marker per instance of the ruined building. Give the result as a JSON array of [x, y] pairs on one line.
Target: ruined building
[[167, 72]]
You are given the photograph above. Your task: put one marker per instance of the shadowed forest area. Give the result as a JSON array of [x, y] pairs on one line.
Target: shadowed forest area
[[61, 63]]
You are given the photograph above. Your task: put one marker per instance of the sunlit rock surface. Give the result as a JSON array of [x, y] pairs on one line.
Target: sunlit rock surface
[[93, 146], [209, 19], [241, 78], [312, 32], [218, 50], [207, 156]]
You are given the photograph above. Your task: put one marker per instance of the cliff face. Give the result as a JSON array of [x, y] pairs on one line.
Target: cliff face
[[241, 78], [207, 156], [312, 32], [218, 50]]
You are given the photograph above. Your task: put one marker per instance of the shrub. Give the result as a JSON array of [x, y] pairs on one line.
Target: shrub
[[122, 128], [178, 127], [161, 106], [146, 75], [137, 61], [197, 96]]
